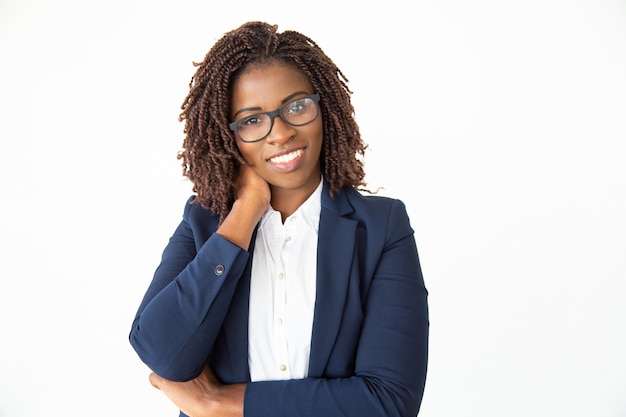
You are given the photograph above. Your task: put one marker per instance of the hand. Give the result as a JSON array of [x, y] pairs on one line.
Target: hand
[[191, 397], [251, 201], [252, 188], [203, 396]]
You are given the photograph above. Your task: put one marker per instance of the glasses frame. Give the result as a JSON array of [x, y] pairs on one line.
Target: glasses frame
[[234, 126]]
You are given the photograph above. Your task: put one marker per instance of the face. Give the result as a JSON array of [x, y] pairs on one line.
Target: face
[[288, 158]]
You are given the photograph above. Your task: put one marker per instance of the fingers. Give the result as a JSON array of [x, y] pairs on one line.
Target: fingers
[[155, 380]]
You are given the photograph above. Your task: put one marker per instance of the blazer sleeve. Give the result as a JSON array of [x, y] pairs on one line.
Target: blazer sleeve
[[392, 351], [187, 300]]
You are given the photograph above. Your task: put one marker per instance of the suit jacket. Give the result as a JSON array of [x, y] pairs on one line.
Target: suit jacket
[[369, 342]]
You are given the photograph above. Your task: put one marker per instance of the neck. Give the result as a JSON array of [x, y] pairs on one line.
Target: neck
[[287, 201]]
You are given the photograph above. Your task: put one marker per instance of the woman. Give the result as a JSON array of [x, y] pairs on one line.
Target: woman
[[284, 291]]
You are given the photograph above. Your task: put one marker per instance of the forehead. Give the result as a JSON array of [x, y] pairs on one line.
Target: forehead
[[263, 85]]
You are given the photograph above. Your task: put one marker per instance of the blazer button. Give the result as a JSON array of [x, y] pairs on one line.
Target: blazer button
[[219, 270]]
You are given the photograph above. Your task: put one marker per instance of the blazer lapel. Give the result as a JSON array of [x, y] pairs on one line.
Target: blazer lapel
[[336, 242]]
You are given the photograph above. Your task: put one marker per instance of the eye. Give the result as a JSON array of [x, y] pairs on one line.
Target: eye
[[250, 121], [296, 107]]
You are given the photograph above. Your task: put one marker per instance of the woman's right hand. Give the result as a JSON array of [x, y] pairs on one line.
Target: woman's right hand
[[252, 189], [252, 198]]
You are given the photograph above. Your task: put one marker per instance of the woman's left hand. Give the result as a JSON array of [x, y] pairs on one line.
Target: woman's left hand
[[203, 396]]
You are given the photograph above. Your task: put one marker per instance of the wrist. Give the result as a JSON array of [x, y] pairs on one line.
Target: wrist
[[228, 401], [240, 223]]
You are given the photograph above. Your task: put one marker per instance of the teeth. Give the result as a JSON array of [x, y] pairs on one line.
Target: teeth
[[281, 159]]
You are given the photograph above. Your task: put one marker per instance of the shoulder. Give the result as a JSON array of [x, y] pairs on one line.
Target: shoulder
[[378, 212], [373, 205], [199, 218], [366, 201]]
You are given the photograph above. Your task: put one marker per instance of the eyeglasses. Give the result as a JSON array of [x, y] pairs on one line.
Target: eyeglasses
[[257, 126]]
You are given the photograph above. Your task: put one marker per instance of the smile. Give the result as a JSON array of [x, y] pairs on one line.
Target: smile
[[287, 157]]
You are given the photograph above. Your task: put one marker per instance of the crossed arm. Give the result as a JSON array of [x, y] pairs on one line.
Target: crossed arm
[[203, 396]]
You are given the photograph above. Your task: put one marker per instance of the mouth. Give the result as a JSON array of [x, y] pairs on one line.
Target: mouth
[[287, 161]]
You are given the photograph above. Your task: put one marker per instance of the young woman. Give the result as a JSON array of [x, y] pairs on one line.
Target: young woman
[[285, 290]]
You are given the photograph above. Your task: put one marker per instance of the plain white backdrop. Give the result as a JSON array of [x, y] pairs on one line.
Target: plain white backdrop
[[500, 124]]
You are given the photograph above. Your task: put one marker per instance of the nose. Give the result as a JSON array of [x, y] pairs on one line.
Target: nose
[[281, 132]]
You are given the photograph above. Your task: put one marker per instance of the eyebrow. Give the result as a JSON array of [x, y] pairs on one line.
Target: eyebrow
[[283, 101]]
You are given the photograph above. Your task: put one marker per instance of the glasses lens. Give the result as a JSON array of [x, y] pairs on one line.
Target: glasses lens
[[254, 127], [300, 112]]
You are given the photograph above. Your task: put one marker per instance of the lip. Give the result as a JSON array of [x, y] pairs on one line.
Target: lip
[[288, 160]]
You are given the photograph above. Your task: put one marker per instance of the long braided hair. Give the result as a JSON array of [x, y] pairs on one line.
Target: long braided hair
[[210, 157]]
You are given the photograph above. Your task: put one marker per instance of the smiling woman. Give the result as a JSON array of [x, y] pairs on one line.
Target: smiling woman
[[286, 154], [283, 280]]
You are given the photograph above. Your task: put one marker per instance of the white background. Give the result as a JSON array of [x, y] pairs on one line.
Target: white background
[[500, 124]]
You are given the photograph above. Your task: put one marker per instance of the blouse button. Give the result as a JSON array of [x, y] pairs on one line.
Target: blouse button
[[219, 270], [283, 368]]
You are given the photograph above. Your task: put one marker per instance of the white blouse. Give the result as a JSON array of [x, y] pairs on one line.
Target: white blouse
[[282, 292]]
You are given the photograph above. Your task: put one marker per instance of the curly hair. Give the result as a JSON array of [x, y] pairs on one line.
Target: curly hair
[[210, 157]]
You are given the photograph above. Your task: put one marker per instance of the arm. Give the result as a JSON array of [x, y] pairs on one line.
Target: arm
[[203, 396], [187, 301]]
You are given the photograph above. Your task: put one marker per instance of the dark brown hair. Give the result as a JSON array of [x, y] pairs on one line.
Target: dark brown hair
[[210, 155]]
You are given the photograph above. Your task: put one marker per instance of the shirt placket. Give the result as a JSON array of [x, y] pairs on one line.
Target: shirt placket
[[279, 296]]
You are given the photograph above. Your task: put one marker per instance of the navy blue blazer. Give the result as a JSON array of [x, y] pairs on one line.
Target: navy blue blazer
[[369, 342]]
